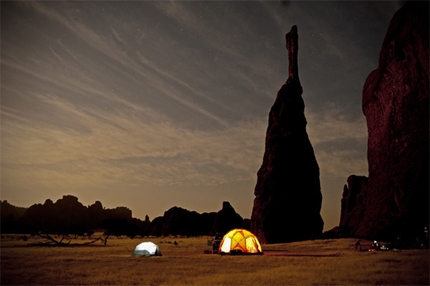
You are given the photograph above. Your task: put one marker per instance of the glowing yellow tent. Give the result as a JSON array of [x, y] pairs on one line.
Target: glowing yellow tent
[[240, 241]]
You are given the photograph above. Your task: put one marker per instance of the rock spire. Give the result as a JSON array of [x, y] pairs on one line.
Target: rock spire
[[288, 198]]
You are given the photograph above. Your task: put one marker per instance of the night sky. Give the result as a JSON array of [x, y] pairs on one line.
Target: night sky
[[151, 105]]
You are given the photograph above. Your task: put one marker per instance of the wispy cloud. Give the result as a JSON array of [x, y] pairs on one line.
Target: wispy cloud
[[339, 142], [174, 94], [125, 60], [123, 147], [159, 154]]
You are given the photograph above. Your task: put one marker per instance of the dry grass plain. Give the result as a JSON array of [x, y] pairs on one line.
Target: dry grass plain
[[317, 262]]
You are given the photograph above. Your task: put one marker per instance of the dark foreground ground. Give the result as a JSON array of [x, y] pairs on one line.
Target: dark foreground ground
[[317, 262]]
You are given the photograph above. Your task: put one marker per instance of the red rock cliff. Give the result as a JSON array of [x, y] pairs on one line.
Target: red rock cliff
[[395, 201]]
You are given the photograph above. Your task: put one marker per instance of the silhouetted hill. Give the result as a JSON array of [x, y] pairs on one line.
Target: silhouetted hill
[[69, 216], [179, 221], [10, 212], [226, 219], [10, 218]]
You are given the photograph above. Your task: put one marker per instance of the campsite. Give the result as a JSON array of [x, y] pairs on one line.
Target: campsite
[[183, 262]]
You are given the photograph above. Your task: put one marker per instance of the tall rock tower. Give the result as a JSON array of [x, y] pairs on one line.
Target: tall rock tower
[[288, 197], [394, 200]]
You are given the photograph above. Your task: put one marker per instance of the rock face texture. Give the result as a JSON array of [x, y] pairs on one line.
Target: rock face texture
[[395, 200], [352, 203], [288, 196]]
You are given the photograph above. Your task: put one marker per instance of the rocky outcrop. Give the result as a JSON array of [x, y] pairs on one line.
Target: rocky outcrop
[[69, 216], [11, 219], [179, 221], [395, 200], [10, 212], [227, 219], [288, 198], [353, 202]]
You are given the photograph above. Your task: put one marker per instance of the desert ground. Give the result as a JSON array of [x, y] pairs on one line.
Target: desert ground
[[316, 262]]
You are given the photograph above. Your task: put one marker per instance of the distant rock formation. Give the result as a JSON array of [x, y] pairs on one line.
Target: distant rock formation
[[69, 216], [288, 195], [11, 218], [10, 212], [227, 219], [179, 221], [395, 200], [353, 202]]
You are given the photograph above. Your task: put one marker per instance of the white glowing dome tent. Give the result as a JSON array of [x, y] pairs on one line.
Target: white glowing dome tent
[[146, 249]]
